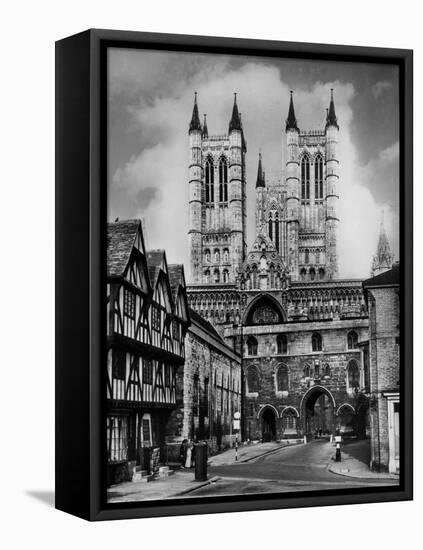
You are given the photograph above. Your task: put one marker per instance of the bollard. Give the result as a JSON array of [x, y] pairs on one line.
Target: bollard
[[338, 453], [305, 439], [201, 462]]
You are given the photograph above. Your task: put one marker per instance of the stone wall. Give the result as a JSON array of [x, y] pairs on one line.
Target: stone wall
[[384, 369]]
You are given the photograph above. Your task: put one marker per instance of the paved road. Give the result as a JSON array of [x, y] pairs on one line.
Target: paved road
[[297, 468]]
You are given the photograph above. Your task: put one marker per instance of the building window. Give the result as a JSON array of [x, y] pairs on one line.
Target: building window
[[147, 371], [303, 274], [307, 371], [207, 255], [306, 256], [305, 178], [225, 255], [209, 181], [225, 275], [327, 370], [289, 419], [316, 342], [167, 375], [117, 438], [119, 365], [353, 375], [277, 232], [129, 304], [271, 229], [352, 340], [216, 275], [282, 344], [155, 317], [318, 177], [252, 345], [175, 329], [216, 255], [321, 273], [253, 383], [207, 275], [312, 274], [223, 180], [282, 378]]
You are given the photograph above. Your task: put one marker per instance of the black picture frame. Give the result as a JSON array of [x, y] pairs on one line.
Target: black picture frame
[[80, 254]]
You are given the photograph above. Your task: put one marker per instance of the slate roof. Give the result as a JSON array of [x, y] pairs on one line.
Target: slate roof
[[388, 278], [176, 272], [120, 240], [154, 262], [205, 325]]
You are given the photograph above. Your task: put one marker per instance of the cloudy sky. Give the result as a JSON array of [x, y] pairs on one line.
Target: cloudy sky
[[150, 99]]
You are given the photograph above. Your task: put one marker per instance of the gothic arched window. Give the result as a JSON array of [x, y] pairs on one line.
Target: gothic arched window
[[207, 254], [327, 370], [223, 180], [353, 375], [352, 340], [282, 378], [321, 273], [216, 275], [316, 342], [282, 344], [207, 275], [277, 231], [253, 382], [303, 274], [307, 371], [216, 255], [209, 174], [305, 178], [270, 229], [312, 274], [225, 255], [318, 177], [306, 256], [252, 345], [225, 275]]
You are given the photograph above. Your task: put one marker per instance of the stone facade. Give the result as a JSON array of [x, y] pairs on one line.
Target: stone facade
[[382, 294], [209, 388], [300, 330]]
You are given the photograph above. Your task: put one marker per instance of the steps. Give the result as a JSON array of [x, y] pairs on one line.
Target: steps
[[145, 477]]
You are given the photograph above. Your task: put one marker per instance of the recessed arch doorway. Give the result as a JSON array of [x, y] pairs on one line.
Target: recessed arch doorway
[[318, 411], [268, 417]]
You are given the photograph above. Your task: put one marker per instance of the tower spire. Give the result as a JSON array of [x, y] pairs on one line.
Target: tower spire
[[331, 119], [260, 174], [235, 122], [383, 259], [195, 124], [291, 121], [205, 132]]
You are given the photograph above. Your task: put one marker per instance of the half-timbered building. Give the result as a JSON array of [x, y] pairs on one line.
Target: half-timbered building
[[146, 327]]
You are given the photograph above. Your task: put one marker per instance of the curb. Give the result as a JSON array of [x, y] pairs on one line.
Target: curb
[[391, 477], [191, 489]]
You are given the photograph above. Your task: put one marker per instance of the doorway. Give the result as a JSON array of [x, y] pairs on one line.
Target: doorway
[[268, 425]]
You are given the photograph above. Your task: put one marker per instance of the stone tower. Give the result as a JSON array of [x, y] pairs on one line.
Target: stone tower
[[383, 259], [311, 185], [293, 191], [217, 203]]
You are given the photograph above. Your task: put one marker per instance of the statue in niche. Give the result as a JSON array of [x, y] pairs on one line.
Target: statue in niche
[[263, 264]]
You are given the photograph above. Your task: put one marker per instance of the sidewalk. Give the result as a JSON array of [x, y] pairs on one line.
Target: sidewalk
[[248, 452], [355, 459], [180, 483]]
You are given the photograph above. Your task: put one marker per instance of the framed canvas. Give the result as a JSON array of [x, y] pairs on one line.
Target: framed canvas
[[233, 289]]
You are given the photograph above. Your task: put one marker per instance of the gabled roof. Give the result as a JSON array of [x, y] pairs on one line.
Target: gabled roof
[[388, 278], [121, 236], [177, 284], [156, 260], [205, 325]]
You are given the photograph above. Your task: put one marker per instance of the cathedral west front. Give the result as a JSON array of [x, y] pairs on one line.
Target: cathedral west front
[[300, 330]]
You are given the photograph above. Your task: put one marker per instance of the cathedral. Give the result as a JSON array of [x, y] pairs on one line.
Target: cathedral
[[300, 330]]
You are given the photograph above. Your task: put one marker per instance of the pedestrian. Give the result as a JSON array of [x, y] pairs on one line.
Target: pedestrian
[[194, 449], [183, 452], [188, 460]]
